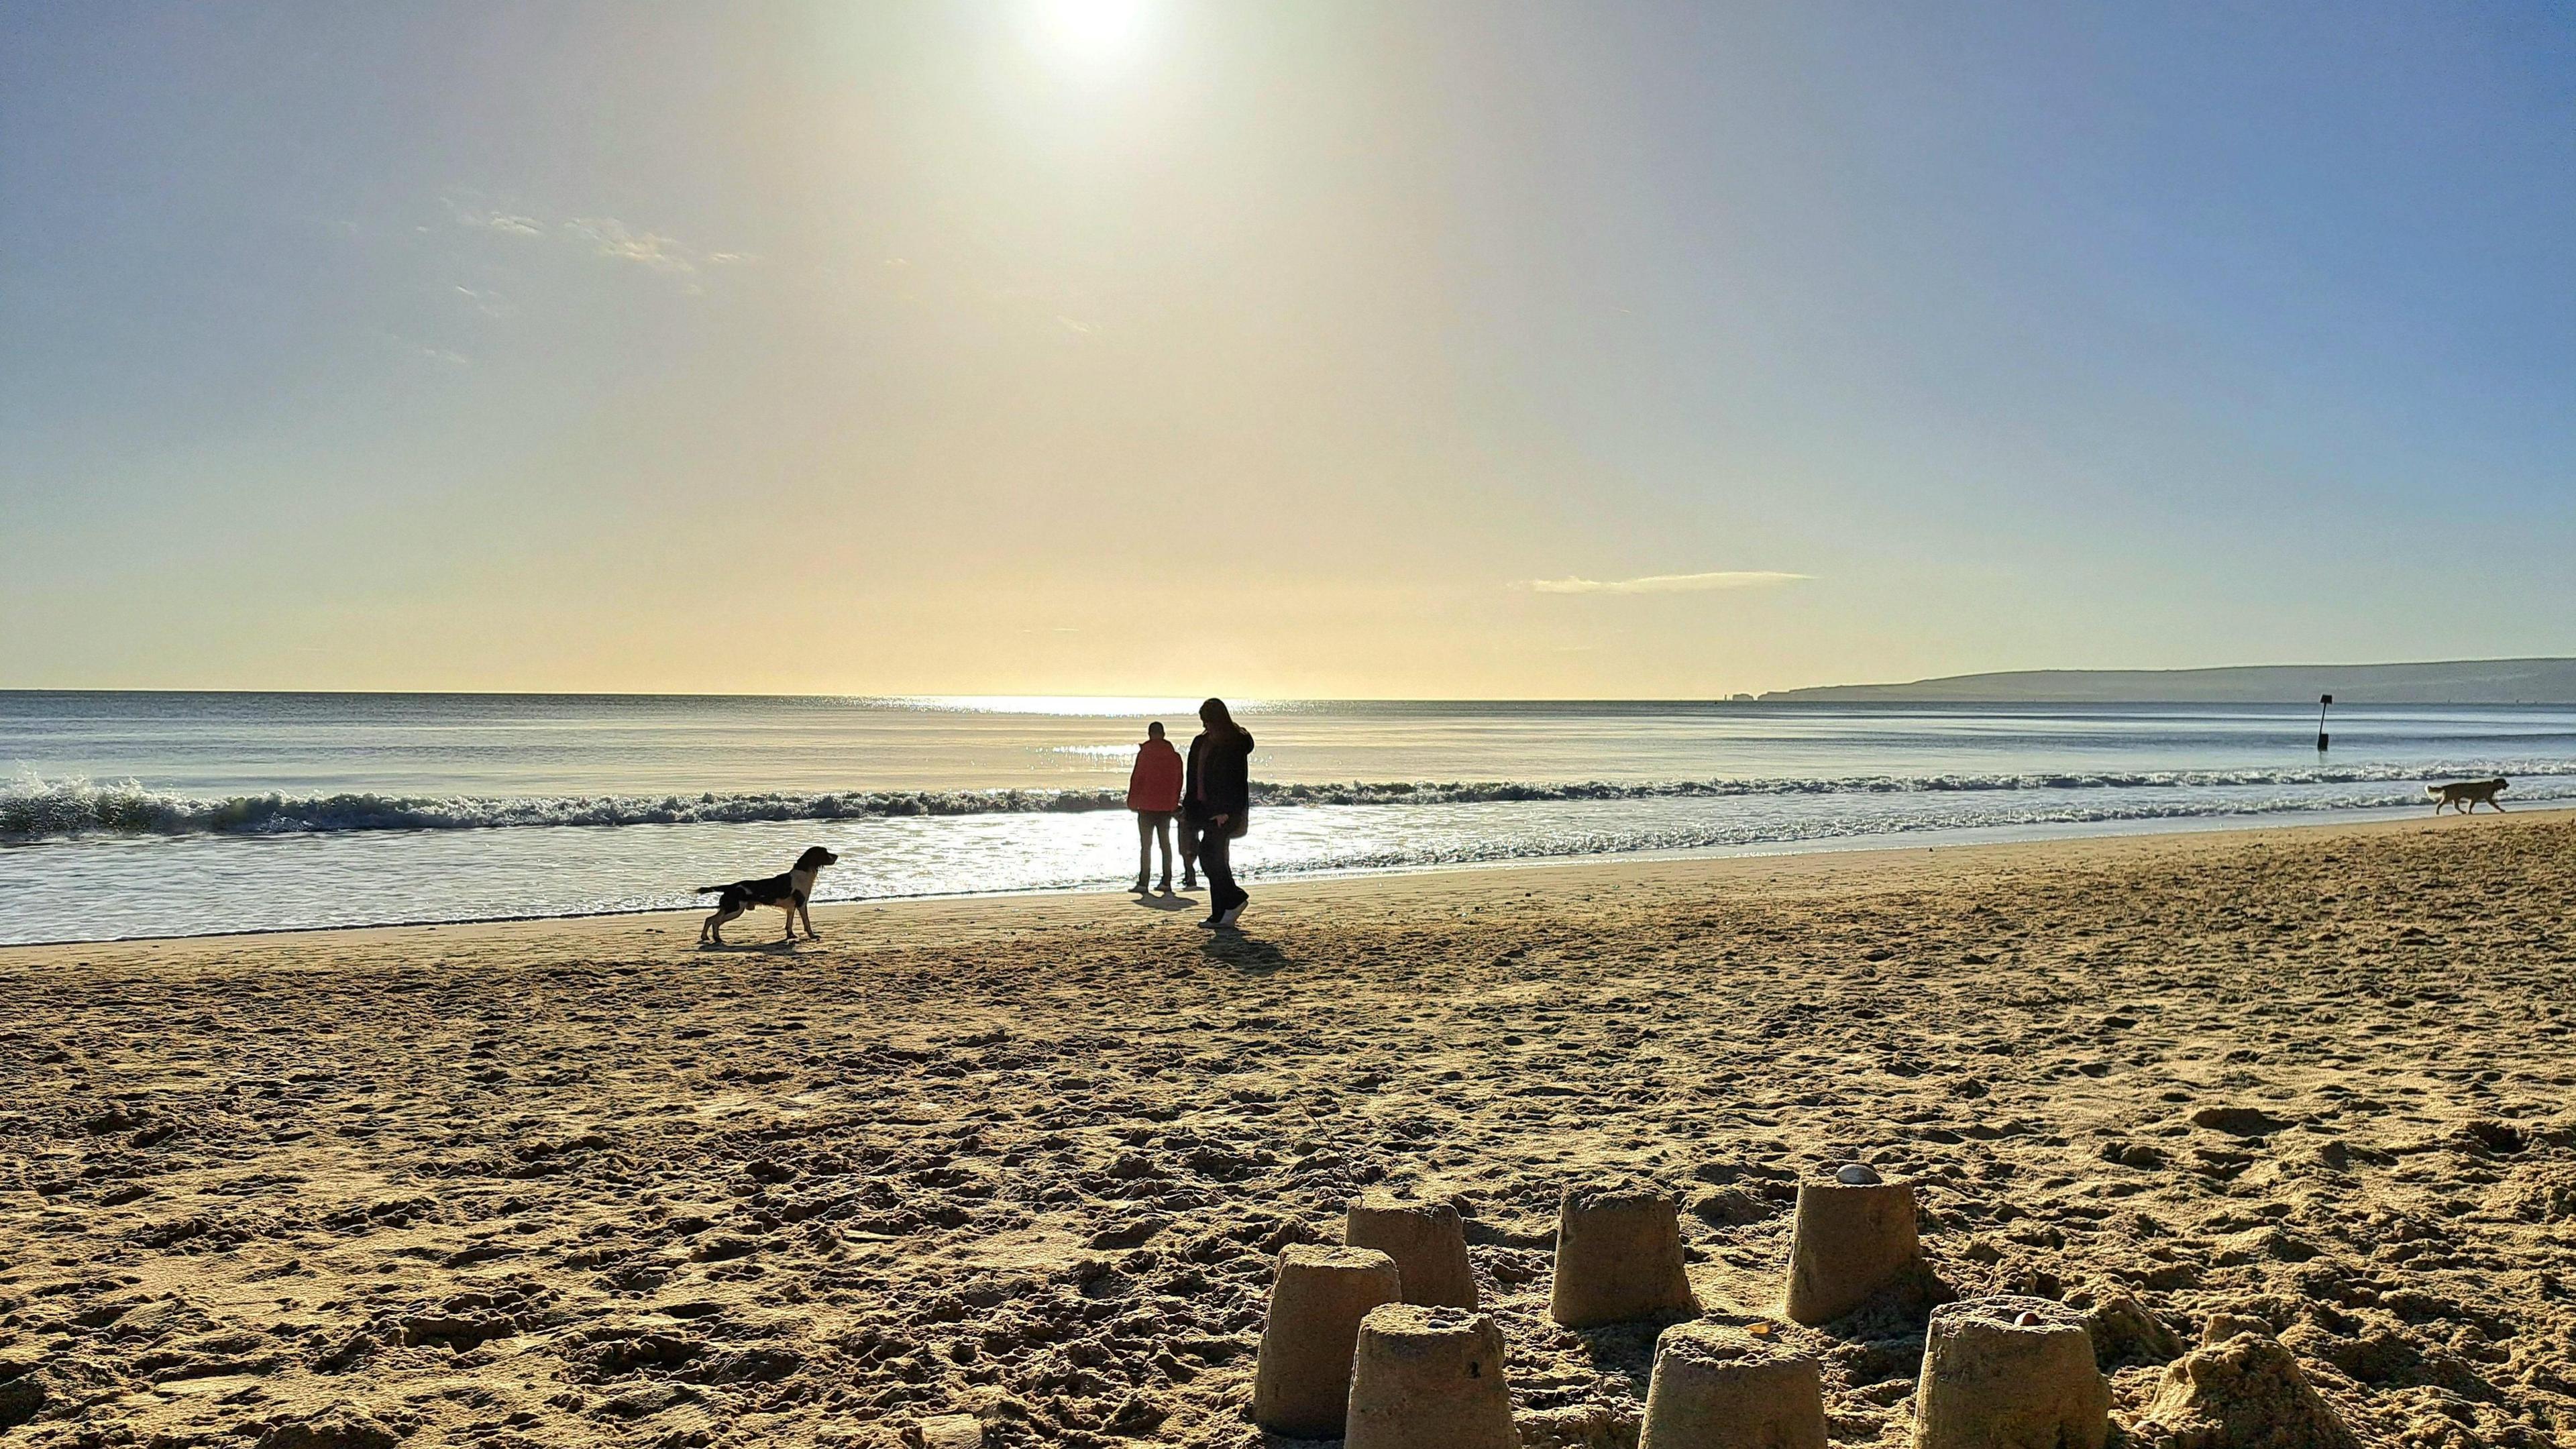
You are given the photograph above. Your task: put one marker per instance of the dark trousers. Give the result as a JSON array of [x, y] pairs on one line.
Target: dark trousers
[[1153, 825], [1216, 861]]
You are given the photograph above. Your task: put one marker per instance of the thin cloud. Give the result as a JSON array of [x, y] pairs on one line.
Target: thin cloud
[[413, 346], [605, 236], [614, 238], [485, 219], [1669, 583]]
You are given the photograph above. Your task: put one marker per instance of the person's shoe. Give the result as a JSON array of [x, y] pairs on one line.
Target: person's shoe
[[1211, 923], [1139, 887], [1189, 882], [1167, 885], [1233, 913]]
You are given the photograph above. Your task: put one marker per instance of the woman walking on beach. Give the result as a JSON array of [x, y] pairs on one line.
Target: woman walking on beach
[[1218, 802]]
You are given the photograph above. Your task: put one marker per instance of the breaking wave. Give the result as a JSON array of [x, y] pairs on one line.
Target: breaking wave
[[36, 809]]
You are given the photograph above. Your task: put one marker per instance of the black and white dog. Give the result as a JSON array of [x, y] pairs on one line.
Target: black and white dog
[[787, 892]]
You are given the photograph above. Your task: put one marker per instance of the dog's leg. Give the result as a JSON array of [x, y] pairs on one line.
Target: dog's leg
[[807, 911]]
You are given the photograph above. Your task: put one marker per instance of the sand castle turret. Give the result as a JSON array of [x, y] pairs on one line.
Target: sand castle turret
[[1720, 1387], [1427, 1241], [1301, 1381], [948, 1431], [1854, 1239], [2005, 1372], [1429, 1378], [1618, 1256]]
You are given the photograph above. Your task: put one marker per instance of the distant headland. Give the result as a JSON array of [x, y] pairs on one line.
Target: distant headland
[[2458, 681]]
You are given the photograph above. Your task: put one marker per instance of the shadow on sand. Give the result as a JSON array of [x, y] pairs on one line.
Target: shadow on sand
[[754, 948], [1168, 903], [1243, 953]]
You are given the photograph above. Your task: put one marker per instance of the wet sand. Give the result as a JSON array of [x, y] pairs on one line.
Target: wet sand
[[578, 1182]]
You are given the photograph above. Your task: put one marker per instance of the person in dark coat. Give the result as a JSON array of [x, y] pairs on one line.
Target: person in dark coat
[[1218, 802]]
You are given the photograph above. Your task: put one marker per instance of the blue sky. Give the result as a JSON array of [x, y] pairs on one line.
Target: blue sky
[[1114, 346]]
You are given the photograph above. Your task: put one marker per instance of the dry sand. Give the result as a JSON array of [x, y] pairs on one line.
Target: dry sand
[[577, 1182]]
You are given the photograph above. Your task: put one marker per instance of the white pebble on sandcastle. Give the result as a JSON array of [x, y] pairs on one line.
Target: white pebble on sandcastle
[[2010, 1373], [1301, 1381], [1618, 1257], [1429, 1378], [1428, 1242], [1719, 1387], [1853, 1241]]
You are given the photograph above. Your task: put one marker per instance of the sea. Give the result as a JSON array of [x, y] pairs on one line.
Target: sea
[[133, 815]]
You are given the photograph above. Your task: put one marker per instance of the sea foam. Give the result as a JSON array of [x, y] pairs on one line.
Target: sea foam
[[32, 808]]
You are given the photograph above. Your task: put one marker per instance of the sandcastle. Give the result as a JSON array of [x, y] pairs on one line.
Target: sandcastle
[[1301, 1380], [2010, 1373], [1618, 1257], [1854, 1239], [1427, 1241], [1429, 1378], [2240, 1384], [948, 1431], [1350, 1350], [1719, 1387]]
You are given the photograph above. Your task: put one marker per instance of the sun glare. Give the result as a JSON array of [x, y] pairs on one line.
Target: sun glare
[[1104, 706], [1091, 33]]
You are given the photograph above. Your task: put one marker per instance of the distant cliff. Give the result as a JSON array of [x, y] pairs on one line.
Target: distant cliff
[[2465, 681]]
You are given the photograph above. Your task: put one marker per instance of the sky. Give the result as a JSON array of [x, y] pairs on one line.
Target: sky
[[1333, 349]]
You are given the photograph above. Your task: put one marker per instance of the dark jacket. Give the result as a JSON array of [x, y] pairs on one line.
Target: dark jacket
[[1220, 782]]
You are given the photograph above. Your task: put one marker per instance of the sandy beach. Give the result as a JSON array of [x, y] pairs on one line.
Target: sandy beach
[[1030, 1160]]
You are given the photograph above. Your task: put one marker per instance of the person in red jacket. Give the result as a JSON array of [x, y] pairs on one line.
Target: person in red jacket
[[1154, 793]]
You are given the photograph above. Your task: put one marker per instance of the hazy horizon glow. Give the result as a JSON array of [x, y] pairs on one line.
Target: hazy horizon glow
[[1140, 348]]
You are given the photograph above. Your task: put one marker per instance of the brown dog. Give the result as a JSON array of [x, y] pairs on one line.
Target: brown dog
[[2465, 795]]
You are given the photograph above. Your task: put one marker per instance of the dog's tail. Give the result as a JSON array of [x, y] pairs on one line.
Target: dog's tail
[[2433, 790], [718, 890]]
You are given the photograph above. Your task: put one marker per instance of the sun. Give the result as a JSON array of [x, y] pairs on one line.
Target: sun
[[1091, 33]]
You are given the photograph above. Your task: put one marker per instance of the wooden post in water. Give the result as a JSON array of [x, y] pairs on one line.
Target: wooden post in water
[[2322, 701]]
